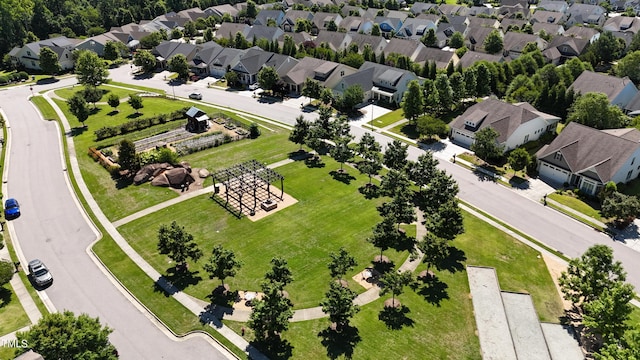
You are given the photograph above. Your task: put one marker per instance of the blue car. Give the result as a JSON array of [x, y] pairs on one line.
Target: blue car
[[11, 208]]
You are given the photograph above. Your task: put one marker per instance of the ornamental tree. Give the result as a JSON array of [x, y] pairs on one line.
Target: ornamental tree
[[178, 244], [222, 264]]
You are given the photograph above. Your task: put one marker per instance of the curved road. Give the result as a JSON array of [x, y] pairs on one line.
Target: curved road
[[54, 229], [544, 224]]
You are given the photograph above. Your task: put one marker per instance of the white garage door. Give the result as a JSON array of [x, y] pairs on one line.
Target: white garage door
[[462, 138], [553, 174]]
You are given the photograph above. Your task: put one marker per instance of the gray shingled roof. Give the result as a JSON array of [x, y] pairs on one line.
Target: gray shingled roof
[[590, 81], [502, 116], [591, 152], [471, 57]]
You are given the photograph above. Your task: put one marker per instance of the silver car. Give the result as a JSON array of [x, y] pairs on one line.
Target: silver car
[[39, 273]]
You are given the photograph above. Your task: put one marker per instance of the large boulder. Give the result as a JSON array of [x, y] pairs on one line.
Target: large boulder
[[148, 171], [173, 177]]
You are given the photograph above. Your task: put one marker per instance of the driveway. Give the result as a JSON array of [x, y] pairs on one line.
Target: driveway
[[54, 229]]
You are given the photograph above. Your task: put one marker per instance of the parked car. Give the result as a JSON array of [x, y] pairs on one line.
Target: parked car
[[39, 273], [195, 95], [11, 208]]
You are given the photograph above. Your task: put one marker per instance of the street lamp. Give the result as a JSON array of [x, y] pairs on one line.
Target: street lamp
[[371, 101]]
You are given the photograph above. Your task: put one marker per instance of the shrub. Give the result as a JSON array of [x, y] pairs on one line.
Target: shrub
[[23, 75], [254, 131], [4, 80]]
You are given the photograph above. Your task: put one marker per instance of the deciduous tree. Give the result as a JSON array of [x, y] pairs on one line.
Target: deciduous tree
[[341, 263], [385, 235], [423, 170], [179, 65], [595, 110], [300, 131], [622, 208], [136, 102], [270, 315], [90, 69], [178, 244], [49, 61], [279, 274], [486, 144], [145, 59], [66, 336], [519, 159], [430, 126], [341, 152], [222, 264], [395, 156], [114, 101], [92, 94], [609, 314], [394, 282], [493, 42], [413, 101], [268, 78], [78, 107], [6, 272], [338, 303], [127, 157]]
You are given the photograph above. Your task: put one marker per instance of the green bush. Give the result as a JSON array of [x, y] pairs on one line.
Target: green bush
[[138, 124], [4, 80], [23, 75], [254, 131]]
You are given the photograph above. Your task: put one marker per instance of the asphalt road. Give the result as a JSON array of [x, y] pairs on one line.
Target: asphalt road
[[53, 229], [544, 224]]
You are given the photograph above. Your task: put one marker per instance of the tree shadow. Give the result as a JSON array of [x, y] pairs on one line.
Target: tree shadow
[[454, 262], [433, 290], [123, 182], [76, 131], [5, 296], [383, 267], [275, 348], [49, 80], [342, 176], [340, 343], [113, 112], [395, 318], [314, 161], [299, 155], [134, 115], [222, 296], [404, 243], [370, 191], [181, 278], [94, 110]]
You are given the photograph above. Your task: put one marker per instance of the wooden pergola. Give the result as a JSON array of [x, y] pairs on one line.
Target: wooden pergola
[[247, 178]]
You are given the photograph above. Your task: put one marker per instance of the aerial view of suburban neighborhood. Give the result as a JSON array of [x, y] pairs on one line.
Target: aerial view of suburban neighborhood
[[320, 179]]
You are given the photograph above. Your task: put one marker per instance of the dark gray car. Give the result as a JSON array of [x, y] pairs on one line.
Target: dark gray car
[[39, 273]]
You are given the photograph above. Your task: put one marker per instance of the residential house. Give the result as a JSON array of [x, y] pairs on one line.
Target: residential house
[[549, 29], [487, 12], [585, 14], [509, 24], [349, 10], [476, 36], [475, 21], [192, 14], [451, 9], [423, 8], [549, 17], [516, 124], [514, 9], [389, 83], [515, 42], [377, 43], [562, 48], [224, 61], [201, 61], [264, 16], [337, 41], [471, 57], [446, 29], [308, 68], [356, 24], [442, 58], [299, 38], [168, 49], [388, 25], [218, 11], [623, 27], [553, 5], [589, 158], [322, 19], [28, 56], [229, 30], [619, 91], [250, 63], [362, 78], [292, 16], [415, 29], [583, 32], [408, 48], [270, 33]]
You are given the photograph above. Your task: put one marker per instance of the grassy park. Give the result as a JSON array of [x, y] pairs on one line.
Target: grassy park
[[329, 214]]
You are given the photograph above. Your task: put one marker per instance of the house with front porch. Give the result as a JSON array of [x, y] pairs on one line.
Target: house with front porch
[[619, 91], [589, 158], [389, 83], [28, 56], [516, 124]]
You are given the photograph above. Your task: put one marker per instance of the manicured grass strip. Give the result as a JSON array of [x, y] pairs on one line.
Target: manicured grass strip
[[577, 205], [168, 310], [47, 111], [136, 87], [388, 118], [12, 314], [576, 217]]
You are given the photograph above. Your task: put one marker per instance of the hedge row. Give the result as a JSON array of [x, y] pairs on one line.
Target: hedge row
[[17, 76], [139, 124]]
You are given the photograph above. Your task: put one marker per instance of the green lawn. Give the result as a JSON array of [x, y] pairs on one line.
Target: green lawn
[[438, 329], [12, 315], [388, 118], [141, 88], [118, 199], [406, 130], [48, 113], [329, 214], [576, 204]]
